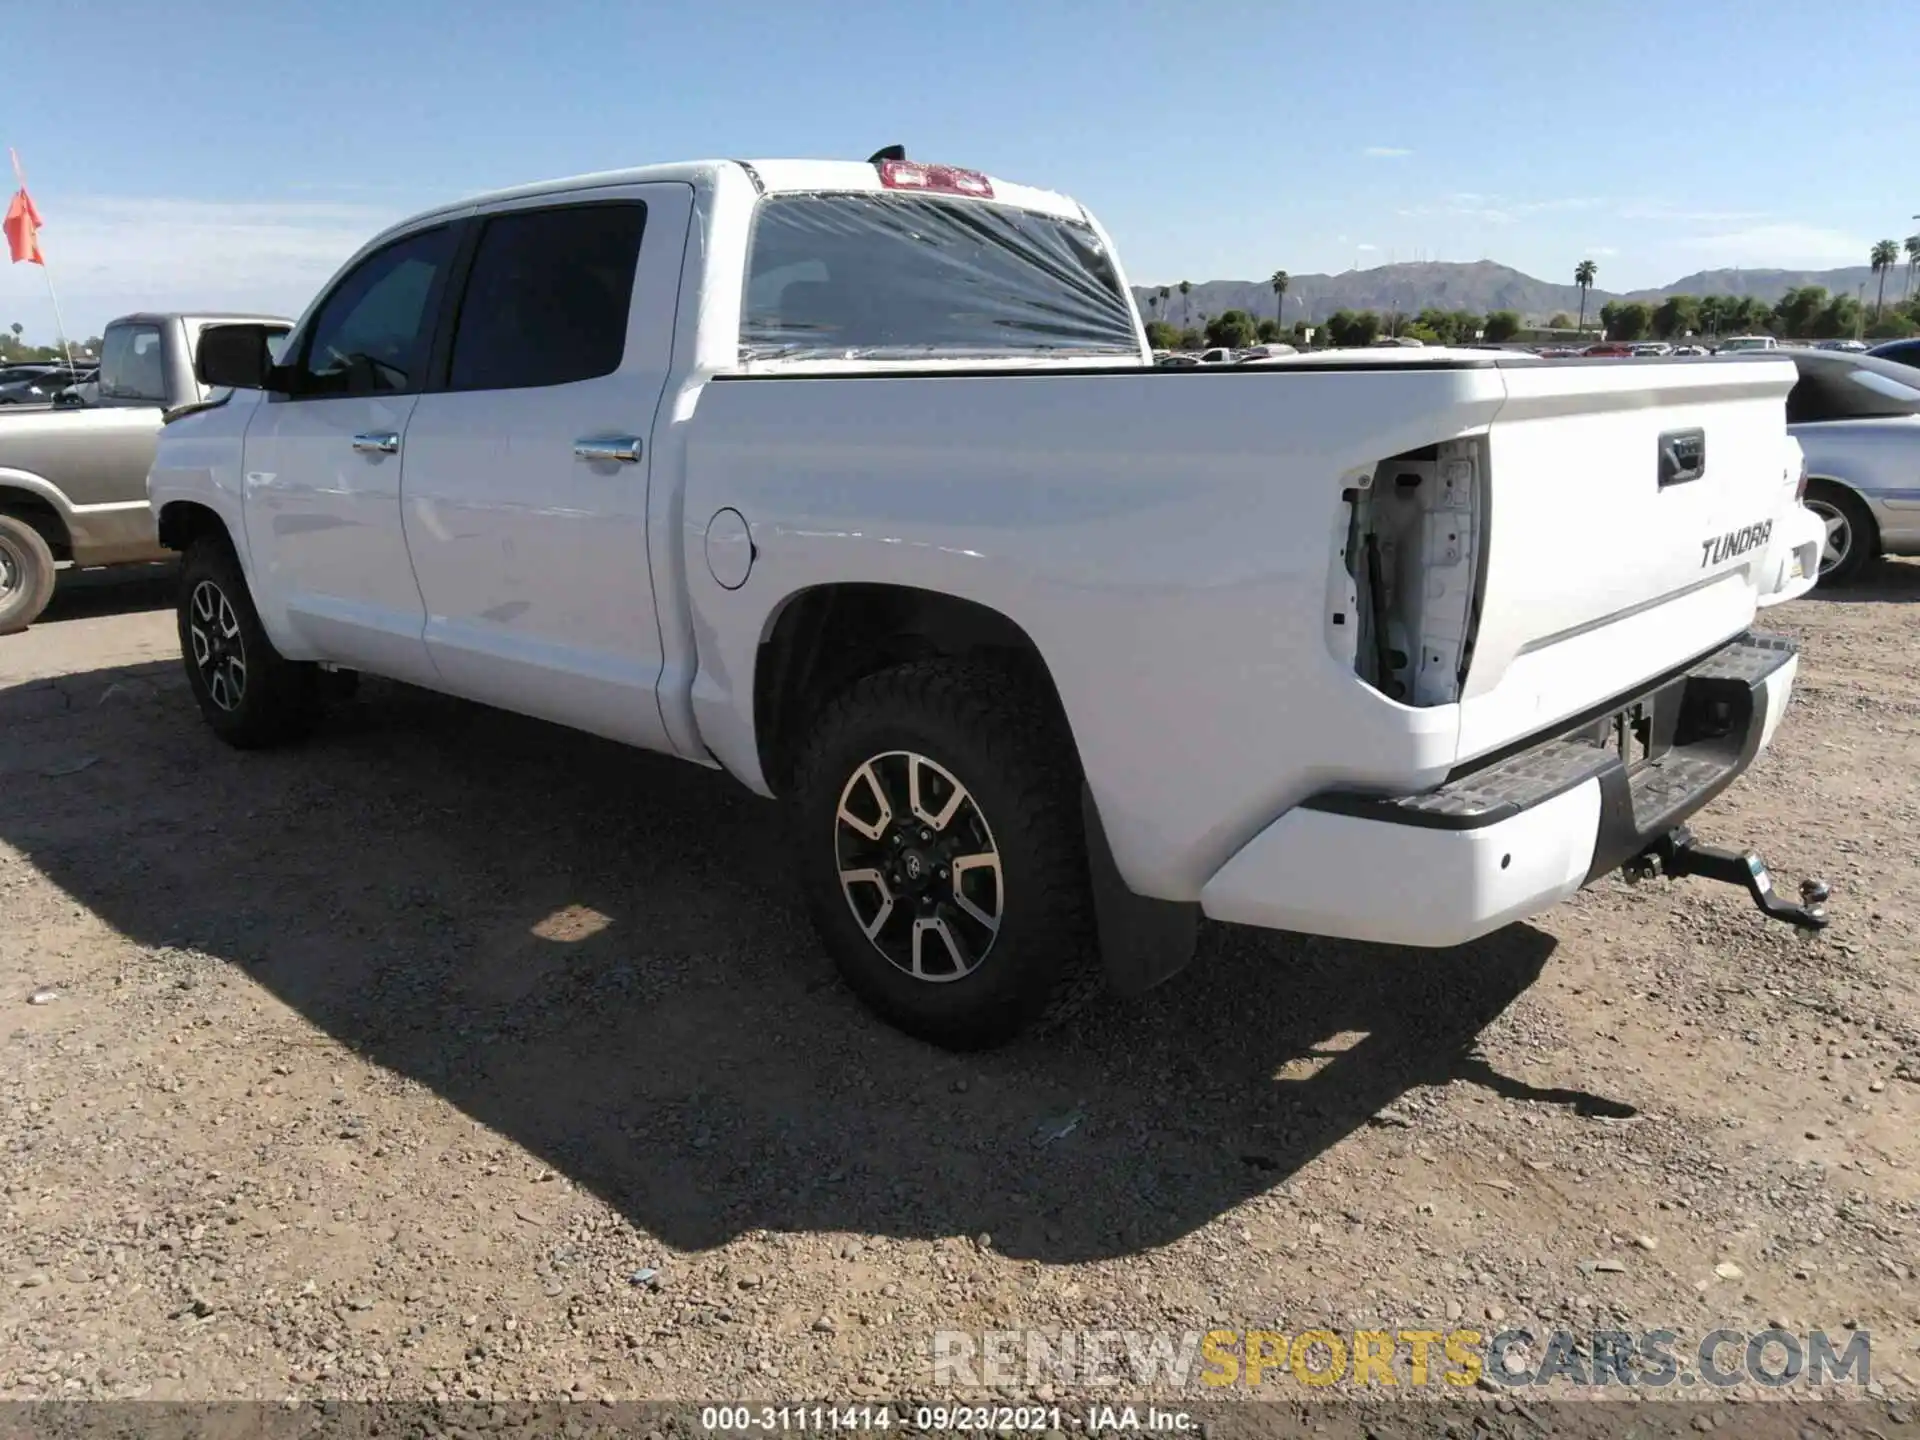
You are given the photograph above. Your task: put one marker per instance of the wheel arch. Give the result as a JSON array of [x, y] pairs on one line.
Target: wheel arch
[[37, 505], [181, 522], [823, 638]]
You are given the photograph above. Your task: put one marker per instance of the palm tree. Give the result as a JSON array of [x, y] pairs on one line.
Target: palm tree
[[1165, 292], [1279, 282], [1186, 307], [1583, 276], [1913, 259], [1884, 254]]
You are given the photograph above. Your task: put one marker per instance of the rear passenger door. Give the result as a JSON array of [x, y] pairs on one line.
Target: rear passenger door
[[525, 490]]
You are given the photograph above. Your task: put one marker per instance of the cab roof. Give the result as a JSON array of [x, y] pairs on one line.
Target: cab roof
[[772, 177]]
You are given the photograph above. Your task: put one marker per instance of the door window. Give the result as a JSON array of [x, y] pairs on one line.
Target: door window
[[372, 334], [547, 298]]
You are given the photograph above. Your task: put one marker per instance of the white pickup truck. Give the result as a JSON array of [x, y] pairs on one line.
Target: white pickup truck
[[857, 482]]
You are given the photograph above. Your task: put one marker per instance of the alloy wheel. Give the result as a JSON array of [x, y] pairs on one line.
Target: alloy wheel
[[918, 866], [9, 572], [1838, 544], [219, 650]]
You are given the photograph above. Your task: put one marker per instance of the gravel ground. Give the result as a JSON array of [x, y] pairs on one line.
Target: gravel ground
[[389, 1066]]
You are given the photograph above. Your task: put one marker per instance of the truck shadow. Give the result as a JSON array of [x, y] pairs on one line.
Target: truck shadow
[[598, 955], [119, 591]]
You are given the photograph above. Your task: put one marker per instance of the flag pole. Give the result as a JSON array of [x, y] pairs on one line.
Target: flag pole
[[59, 322]]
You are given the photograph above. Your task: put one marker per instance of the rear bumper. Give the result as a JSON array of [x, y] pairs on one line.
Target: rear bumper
[[1513, 836]]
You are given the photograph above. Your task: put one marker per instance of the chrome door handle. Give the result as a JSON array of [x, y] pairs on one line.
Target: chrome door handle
[[380, 442], [624, 448]]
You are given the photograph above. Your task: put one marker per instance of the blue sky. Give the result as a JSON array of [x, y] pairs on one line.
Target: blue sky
[[197, 154]]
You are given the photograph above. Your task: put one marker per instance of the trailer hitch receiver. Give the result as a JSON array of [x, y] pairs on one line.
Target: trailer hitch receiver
[[1677, 854]]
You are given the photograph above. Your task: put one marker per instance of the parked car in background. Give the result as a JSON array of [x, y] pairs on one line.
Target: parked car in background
[[73, 478], [1653, 347], [1857, 418], [1691, 350], [1271, 351], [1742, 344], [84, 391], [1178, 361], [1609, 349], [1218, 355], [37, 384], [1854, 347], [1901, 352]]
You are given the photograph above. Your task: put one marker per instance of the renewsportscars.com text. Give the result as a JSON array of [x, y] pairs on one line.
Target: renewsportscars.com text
[[1217, 1359]]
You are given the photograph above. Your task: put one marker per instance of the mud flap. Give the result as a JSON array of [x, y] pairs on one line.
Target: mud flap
[[1142, 941]]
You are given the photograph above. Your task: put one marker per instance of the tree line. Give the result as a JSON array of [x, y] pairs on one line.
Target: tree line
[[1807, 312], [15, 351], [1236, 329]]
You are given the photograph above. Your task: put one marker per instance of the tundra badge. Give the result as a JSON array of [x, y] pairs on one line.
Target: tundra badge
[[1718, 548]]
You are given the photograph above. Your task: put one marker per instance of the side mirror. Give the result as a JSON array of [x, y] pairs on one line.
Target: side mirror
[[236, 356]]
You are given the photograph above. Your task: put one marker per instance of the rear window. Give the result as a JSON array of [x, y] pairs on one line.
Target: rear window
[[904, 276], [131, 367]]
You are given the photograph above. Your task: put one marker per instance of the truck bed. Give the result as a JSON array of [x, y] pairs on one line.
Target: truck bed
[[1210, 519]]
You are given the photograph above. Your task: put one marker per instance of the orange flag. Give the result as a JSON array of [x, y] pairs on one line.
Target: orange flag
[[23, 229]]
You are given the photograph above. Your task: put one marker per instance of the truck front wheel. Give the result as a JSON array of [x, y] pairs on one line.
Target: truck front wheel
[[937, 821], [26, 574], [249, 693]]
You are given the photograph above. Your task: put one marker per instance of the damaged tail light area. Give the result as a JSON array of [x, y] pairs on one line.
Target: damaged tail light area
[[1407, 584]]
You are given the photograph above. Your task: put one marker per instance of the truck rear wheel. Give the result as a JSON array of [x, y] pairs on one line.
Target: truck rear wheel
[[249, 693], [937, 820], [26, 574]]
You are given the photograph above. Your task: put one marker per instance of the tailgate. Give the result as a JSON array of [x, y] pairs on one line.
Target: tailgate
[[1628, 517]]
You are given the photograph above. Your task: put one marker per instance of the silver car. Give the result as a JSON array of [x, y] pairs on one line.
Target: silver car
[[1857, 418]]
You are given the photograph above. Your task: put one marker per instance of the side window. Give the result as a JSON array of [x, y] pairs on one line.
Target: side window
[[373, 332], [547, 297], [131, 367]]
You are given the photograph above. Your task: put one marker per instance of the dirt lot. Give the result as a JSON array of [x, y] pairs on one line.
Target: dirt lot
[[382, 1067]]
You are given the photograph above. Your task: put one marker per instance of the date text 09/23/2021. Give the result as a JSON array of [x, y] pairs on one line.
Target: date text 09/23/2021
[[942, 1419]]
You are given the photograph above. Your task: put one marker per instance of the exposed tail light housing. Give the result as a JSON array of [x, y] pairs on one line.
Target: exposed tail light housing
[[935, 179]]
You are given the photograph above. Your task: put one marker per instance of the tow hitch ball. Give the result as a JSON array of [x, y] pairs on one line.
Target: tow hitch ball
[[1677, 854]]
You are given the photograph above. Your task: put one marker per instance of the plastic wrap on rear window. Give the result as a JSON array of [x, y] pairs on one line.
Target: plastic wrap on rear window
[[875, 277]]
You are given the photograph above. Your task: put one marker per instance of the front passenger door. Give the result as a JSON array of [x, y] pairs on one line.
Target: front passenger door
[[323, 463]]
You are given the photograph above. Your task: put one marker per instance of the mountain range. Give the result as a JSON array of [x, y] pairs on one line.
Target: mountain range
[[1482, 286]]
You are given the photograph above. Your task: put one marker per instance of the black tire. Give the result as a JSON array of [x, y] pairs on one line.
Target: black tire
[[985, 728], [26, 574], [1831, 501], [269, 700]]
